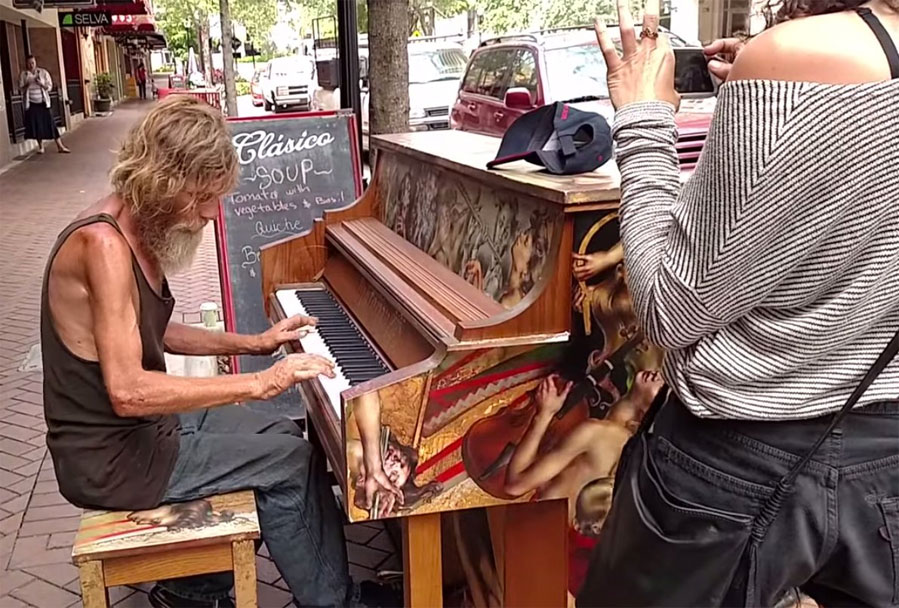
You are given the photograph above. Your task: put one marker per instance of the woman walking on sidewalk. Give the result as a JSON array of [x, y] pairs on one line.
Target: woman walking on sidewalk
[[35, 85]]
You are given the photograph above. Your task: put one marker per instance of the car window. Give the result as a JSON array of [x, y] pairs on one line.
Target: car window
[[524, 72], [474, 74], [576, 71], [493, 82], [434, 65]]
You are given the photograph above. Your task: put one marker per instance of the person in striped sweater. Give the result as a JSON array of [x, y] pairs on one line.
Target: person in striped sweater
[[771, 278]]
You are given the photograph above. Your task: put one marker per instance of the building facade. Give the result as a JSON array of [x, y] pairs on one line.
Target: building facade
[[706, 20], [26, 32], [73, 55]]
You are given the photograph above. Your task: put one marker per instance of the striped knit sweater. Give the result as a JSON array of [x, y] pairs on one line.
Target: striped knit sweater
[[772, 276]]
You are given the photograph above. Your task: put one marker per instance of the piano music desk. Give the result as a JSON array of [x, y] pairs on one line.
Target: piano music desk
[[446, 296]]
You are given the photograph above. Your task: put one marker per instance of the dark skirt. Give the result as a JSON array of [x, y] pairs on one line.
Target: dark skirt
[[39, 123]]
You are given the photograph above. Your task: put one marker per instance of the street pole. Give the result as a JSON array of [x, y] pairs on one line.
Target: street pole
[[348, 54], [228, 59]]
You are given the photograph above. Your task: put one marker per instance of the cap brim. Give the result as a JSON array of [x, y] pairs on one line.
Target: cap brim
[[525, 136]]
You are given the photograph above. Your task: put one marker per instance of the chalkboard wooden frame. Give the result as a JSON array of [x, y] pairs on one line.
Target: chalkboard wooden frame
[[221, 236]]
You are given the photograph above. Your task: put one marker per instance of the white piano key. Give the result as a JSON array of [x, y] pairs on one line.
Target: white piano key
[[312, 343]]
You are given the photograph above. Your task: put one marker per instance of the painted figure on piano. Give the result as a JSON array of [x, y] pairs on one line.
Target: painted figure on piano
[[384, 482], [494, 425], [498, 243]]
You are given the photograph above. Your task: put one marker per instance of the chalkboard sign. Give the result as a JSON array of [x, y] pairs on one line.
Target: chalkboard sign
[[292, 169]]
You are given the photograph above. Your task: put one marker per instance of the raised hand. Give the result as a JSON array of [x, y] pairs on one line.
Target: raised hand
[[645, 69], [291, 370], [288, 330]]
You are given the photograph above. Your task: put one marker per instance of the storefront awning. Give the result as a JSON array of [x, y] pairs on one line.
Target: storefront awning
[[136, 30], [125, 7]]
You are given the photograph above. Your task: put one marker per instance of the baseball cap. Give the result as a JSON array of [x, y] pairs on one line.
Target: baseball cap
[[559, 137]]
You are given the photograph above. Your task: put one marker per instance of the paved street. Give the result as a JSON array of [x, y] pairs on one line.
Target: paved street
[[246, 108], [38, 197]]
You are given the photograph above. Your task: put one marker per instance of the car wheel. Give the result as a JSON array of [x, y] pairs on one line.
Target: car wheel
[[267, 105], [256, 103]]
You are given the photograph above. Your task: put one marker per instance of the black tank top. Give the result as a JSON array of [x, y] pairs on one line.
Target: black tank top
[[883, 36], [102, 460]]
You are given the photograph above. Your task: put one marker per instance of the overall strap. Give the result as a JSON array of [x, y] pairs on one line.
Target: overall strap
[[886, 41]]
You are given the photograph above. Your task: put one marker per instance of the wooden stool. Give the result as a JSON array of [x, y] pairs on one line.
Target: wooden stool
[[214, 534]]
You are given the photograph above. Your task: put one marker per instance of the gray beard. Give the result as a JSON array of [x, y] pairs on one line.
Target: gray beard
[[174, 247]]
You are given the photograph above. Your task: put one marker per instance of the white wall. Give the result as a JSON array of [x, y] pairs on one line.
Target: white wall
[[685, 19], [45, 17]]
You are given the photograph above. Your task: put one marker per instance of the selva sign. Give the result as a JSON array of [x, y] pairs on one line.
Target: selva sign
[[91, 19]]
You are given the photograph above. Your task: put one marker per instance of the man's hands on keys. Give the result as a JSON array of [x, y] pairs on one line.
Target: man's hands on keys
[[288, 330], [291, 370]]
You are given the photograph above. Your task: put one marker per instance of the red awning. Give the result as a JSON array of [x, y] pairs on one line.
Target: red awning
[[124, 7]]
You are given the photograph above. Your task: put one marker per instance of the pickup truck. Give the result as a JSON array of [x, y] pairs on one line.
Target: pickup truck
[[288, 82]]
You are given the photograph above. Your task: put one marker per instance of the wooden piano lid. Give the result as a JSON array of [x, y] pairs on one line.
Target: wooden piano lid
[[468, 153]]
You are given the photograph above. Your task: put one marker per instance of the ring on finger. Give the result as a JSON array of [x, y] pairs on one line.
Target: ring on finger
[[648, 33]]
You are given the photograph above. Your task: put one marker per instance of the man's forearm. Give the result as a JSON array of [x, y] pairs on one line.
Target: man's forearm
[[186, 340], [155, 393]]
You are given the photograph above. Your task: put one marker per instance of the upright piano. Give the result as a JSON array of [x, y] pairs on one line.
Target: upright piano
[[446, 295]]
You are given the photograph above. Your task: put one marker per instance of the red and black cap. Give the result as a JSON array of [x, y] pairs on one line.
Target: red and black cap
[[559, 137]]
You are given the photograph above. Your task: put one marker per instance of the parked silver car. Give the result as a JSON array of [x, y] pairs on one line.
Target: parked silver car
[[435, 70]]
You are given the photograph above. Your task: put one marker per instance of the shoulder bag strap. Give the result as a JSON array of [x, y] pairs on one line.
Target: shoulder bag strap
[[769, 511]]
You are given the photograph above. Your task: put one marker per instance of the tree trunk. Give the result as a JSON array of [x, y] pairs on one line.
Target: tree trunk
[[388, 32], [203, 44], [228, 59]]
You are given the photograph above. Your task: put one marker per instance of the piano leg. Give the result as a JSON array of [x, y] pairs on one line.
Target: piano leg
[[530, 543], [422, 561]]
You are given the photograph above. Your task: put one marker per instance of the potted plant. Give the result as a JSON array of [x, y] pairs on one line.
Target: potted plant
[[104, 86]]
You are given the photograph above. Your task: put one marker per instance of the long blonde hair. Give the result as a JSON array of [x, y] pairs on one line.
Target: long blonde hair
[[182, 143]]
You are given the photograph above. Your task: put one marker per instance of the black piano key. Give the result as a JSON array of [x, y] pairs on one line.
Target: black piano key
[[351, 351]]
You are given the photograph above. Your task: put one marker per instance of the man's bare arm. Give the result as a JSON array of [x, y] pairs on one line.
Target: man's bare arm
[[186, 340], [134, 391]]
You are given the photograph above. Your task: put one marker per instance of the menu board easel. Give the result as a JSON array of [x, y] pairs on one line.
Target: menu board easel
[[292, 169]]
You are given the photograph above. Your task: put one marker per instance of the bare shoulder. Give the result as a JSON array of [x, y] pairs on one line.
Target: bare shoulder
[[104, 241], [102, 254], [838, 48]]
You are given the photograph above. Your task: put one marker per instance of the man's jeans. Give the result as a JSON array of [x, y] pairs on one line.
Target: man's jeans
[[836, 535], [233, 448]]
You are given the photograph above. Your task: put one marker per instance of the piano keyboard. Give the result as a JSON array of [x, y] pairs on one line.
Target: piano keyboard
[[337, 338]]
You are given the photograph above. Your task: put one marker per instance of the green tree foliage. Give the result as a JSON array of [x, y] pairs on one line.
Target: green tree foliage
[[258, 16], [180, 20], [567, 13], [180, 34], [502, 16]]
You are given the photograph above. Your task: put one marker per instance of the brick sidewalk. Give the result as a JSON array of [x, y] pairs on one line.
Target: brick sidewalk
[[38, 197]]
